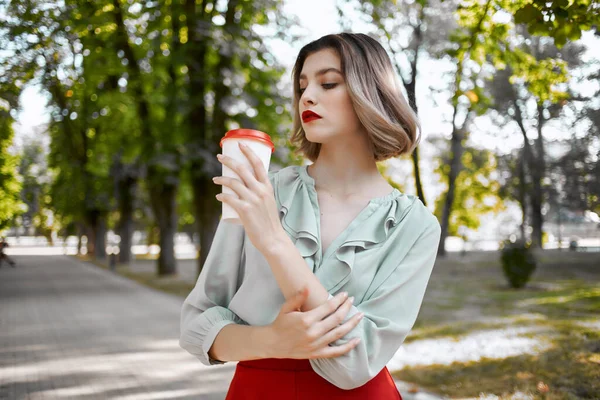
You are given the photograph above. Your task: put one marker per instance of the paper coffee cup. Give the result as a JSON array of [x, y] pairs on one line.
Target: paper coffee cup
[[261, 145]]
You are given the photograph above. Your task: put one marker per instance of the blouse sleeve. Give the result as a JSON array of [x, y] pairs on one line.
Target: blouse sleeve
[[204, 312], [389, 314]]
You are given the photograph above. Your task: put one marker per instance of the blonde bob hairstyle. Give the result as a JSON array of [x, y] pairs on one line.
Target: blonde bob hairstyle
[[391, 124]]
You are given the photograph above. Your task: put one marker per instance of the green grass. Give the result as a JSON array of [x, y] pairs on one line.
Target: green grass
[[470, 294], [570, 369]]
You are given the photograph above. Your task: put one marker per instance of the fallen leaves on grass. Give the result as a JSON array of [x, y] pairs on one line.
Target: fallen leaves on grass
[[542, 387]]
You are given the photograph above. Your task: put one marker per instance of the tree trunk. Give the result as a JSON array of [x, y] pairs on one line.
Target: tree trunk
[[208, 215], [537, 220], [538, 169], [126, 189], [163, 198], [90, 229], [80, 233], [417, 173], [456, 150], [162, 192], [100, 237], [535, 196], [207, 208], [411, 91], [522, 193]]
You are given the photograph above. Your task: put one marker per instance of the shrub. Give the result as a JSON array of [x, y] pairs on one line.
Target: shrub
[[518, 263]]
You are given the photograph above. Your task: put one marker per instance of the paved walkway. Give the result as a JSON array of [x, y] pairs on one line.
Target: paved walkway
[[69, 329]]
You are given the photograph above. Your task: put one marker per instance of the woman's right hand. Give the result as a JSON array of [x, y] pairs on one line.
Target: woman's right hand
[[307, 335]]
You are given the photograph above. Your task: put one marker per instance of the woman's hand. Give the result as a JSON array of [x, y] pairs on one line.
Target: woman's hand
[[256, 205], [307, 335]]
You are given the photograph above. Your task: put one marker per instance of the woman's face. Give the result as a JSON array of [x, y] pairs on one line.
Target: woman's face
[[323, 91]]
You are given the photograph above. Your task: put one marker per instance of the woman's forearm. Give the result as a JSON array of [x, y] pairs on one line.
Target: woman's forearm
[[292, 274], [241, 342]]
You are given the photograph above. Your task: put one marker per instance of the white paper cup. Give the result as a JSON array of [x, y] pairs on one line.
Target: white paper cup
[[261, 145]]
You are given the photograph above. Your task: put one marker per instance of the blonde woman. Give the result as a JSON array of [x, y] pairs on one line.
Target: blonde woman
[[317, 289]]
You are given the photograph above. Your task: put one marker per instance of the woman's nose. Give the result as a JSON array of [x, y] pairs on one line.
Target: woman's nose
[[307, 98]]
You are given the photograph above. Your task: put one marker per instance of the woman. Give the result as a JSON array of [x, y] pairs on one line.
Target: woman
[[319, 287]]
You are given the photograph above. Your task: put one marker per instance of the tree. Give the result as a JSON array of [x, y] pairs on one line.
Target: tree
[[50, 45], [477, 191], [576, 170], [562, 20], [532, 106], [33, 167], [483, 44], [406, 31], [10, 185], [141, 93], [231, 65], [513, 181]]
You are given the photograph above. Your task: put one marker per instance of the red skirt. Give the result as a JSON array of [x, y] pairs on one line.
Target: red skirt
[[282, 379]]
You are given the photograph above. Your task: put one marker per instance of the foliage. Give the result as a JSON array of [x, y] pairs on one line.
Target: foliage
[[576, 175], [99, 61], [476, 192], [10, 184], [35, 192], [518, 263], [563, 20]]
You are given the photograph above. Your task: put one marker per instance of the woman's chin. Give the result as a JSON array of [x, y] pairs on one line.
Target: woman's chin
[[314, 135]]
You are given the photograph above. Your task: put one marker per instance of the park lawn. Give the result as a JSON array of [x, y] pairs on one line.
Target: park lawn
[[468, 294]]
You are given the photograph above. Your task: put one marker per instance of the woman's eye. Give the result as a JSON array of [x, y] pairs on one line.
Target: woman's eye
[[325, 86]]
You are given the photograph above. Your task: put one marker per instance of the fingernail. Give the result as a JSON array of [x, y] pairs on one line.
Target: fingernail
[[351, 299], [242, 144], [344, 294], [361, 315], [219, 156]]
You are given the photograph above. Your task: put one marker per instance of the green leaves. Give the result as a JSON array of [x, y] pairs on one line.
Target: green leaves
[[476, 190], [563, 20], [10, 183], [528, 14]]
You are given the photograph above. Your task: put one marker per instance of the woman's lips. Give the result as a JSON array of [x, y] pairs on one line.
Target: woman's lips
[[308, 116]]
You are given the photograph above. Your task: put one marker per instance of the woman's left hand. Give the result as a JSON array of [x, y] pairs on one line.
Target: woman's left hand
[[256, 205]]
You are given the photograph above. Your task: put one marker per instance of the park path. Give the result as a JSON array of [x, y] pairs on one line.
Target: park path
[[71, 330]]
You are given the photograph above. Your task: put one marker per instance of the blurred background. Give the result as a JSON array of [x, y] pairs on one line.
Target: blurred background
[[111, 113]]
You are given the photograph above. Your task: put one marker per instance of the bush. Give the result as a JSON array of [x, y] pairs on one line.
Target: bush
[[518, 263]]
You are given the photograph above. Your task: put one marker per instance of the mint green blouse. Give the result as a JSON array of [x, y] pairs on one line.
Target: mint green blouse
[[384, 258]]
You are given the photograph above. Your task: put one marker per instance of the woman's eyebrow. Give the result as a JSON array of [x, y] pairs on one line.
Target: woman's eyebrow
[[322, 72]]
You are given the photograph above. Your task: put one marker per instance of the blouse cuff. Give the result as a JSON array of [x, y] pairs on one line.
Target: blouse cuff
[[201, 337]]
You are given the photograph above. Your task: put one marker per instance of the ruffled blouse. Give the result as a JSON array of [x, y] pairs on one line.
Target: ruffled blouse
[[383, 258]]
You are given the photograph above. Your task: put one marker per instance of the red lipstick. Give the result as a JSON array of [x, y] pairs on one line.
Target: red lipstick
[[308, 116]]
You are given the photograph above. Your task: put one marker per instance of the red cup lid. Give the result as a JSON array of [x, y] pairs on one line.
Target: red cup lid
[[249, 134]]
